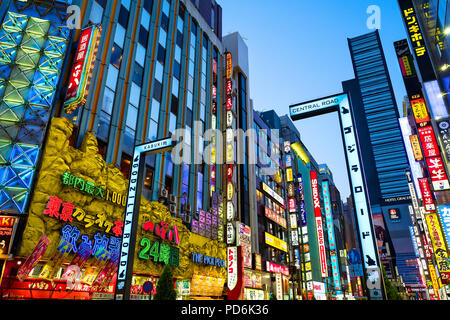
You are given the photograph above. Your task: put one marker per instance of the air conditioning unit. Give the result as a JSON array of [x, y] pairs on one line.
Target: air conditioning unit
[[172, 199], [187, 218], [173, 208], [186, 207], [163, 194]]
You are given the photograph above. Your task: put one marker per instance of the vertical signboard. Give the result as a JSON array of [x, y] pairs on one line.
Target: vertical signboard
[[440, 250], [443, 128], [304, 249], [417, 39], [319, 224], [415, 145], [8, 226], [82, 68], [331, 239], [438, 175], [427, 197], [444, 214], [128, 241], [37, 253]]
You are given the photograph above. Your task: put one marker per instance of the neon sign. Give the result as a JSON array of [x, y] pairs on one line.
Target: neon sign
[[82, 68], [161, 231], [66, 212], [201, 258], [160, 252], [319, 226]]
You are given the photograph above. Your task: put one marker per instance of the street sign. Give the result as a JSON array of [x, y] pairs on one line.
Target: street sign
[[354, 257]]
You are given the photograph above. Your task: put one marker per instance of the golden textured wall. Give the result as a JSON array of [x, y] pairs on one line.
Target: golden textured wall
[[85, 162]]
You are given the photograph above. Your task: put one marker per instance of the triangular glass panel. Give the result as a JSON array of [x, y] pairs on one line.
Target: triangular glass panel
[[35, 114], [5, 152], [32, 153], [5, 200], [8, 130]]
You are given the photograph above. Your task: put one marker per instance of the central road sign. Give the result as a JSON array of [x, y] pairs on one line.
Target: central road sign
[[341, 104]]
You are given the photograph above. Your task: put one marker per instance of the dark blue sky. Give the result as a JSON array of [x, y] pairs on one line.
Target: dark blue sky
[[298, 51]]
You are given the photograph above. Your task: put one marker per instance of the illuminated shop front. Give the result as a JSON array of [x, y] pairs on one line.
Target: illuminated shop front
[[198, 263], [69, 247]]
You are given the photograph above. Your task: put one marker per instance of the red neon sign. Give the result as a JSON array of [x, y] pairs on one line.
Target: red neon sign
[[427, 197], [428, 140]]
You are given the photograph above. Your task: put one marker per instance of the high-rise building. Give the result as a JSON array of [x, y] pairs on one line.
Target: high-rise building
[[380, 139]]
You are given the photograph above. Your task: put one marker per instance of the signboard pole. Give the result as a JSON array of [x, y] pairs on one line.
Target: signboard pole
[[128, 244], [341, 104]]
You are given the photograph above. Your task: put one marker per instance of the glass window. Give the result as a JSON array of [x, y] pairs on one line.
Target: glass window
[[123, 16], [96, 13], [180, 24], [153, 131], [148, 5], [116, 56], [119, 36], [162, 37], [172, 122], [135, 94], [103, 126], [164, 22], [132, 116], [176, 69], [159, 72], [166, 7], [143, 36], [155, 110], [140, 54], [145, 19], [138, 74], [108, 100], [126, 4], [178, 54], [175, 86], [111, 79], [161, 57], [157, 90]]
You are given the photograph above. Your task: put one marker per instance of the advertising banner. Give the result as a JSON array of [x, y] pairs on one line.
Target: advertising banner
[[417, 151], [275, 242], [427, 197], [444, 214], [319, 226], [275, 268], [34, 258], [7, 229], [437, 173], [232, 267], [443, 129], [416, 37], [428, 140], [440, 250], [82, 68], [331, 239], [244, 238]]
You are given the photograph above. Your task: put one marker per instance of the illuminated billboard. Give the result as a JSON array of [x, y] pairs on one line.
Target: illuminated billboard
[[319, 224], [82, 68], [331, 239]]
